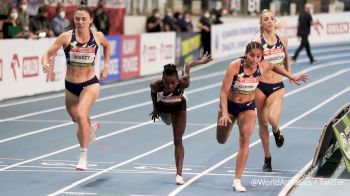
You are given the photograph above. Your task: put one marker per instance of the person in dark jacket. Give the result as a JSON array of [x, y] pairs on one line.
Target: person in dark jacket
[[304, 24]]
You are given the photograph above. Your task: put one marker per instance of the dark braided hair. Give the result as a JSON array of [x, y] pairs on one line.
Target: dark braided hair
[[169, 70], [253, 45]]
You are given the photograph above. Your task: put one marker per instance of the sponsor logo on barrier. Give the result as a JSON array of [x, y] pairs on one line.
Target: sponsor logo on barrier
[[131, 64], [129, 47], [337, 28], [30, 67], [114, 66], [14, 64], [167, 51], [1, 66], [150, 53]]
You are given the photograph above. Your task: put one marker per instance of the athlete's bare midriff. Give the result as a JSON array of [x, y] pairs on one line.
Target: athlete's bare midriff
[[271, 77], [240, 98], [79, 74]]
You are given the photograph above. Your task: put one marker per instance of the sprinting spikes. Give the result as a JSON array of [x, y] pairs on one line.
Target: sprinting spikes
[[279, 139], [237, 186], [267, 167], [82, 164], [179, 180]]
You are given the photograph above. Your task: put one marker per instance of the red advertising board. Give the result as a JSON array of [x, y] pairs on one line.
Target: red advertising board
[[130, 56]]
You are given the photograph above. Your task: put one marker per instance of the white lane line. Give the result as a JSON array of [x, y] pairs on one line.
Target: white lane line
[[100, 137], [206, 171], [78, 193], [190, 181], [129, 161], [206, 76], [189, 92], [123, 130], [146, 89], [99, 115], [138, 80]]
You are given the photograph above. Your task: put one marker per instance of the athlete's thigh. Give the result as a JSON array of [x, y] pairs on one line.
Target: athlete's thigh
[[225, 131], [71, 102], [275, 102], [179, 122], [246, 122], [260, 99], [88, 97]]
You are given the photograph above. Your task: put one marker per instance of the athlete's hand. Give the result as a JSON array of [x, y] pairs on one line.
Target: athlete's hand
[[104, 73], [154, 115], [224, 120], [298, 79], [46, 67], [206, 58]]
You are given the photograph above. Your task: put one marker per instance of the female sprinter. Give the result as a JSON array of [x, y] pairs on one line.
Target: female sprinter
[[169, 104], [270, 92], [237, 101], [82, 86]]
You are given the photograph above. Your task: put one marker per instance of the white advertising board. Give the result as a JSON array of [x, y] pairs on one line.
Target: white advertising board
[[157, 49]]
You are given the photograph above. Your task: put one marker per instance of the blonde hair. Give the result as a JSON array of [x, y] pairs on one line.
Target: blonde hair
[[279, 24]]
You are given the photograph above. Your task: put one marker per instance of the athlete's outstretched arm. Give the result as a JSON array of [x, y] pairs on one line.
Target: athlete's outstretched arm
[[59, 42], [185, 78], [154, 88], [291, 77]]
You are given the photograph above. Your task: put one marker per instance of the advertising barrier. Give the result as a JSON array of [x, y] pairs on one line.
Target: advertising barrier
[[189, 48], [342, 133], [114, 64], [21, 72], [157, 49], [229, 39]]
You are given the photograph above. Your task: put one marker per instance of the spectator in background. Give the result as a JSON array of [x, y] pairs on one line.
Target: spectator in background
[[23, 16], [153, 22], [217, 17], [11, 28], [179, 21], [101, 19], [59, 22], [304, 23], [39, 24], [169, 21], [204, 25], [188, 25]]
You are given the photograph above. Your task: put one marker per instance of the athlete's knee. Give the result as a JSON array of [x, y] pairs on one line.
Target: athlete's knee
[[221, 140], [81, 116], [273, 119], [177, 140], [166, 118], [244, 139], [263, 124]]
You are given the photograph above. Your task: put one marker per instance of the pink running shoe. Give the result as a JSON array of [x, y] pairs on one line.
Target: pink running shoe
[[93, 128]]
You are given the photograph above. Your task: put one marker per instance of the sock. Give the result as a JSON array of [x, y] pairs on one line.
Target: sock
[[83, 152]]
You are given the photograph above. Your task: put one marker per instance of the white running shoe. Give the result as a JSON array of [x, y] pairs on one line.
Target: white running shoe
[[93, 128], [82, 164], [237, 186], [179, 180]]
